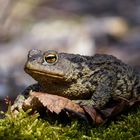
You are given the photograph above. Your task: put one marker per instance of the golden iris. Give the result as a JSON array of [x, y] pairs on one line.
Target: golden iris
[[50, 58]]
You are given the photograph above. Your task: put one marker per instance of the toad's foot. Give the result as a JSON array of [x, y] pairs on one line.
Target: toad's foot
[[18, 103]]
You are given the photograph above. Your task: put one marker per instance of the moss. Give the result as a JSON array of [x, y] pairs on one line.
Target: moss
[[31, 127]]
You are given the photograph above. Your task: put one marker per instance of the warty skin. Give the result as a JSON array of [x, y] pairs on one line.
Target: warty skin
[[89, 80]]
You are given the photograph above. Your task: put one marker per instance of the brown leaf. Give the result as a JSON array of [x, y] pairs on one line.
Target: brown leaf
[[116, 109], [93, 113], [121, 105], [53, 103]]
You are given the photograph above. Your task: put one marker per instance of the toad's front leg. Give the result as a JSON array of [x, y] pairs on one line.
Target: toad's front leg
[[18, 103]]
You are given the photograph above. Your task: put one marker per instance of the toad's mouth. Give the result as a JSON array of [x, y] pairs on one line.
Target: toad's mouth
[[44, 74]]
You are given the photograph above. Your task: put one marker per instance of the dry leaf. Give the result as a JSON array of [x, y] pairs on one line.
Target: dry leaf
[[56, 104], [53, 103], [94, 114]]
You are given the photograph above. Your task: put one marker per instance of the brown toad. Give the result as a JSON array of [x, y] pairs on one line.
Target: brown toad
[[92, 81]]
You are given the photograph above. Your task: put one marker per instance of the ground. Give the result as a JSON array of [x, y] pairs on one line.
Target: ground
[[30, 127]]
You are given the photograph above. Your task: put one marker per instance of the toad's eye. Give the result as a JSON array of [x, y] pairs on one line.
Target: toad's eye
[[50, 58]]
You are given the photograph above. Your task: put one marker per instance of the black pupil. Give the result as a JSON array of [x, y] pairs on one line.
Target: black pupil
[[50, 59]]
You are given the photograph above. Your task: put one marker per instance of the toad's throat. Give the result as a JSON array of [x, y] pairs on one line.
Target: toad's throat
[[47, 74]]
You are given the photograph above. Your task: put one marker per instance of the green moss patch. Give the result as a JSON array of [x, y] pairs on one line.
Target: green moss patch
[[31, 127]]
